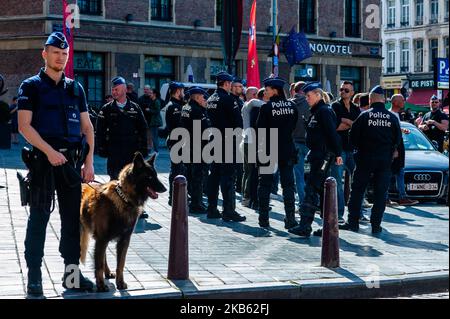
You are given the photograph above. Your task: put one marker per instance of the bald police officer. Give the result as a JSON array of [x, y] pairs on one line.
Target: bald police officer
[[224, 112], [376, 135], [280, 114], [121, 129], [53, 118]]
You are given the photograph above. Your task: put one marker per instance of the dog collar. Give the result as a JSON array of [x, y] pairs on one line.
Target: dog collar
[[121, 194]]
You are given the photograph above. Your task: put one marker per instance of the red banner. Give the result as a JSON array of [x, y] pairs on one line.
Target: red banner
[[252, 61], [68, 32]]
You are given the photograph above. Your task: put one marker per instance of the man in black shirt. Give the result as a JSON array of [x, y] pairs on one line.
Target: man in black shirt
[[346, 112], [435, 123]]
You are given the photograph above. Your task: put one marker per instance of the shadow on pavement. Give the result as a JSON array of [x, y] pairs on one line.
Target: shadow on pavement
[[395, 219], [359, 250], [420, 213]]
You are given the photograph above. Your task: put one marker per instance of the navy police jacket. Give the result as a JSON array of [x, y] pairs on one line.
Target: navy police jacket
[[281, 114], [376, 133], [121, 132], [56, 107], [321, 134]]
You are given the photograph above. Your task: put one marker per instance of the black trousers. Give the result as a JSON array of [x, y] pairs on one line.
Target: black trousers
[[381, 171], [195, 173], [287, 184], [314, 189], [222, 175], [117, 162], [69, 199]]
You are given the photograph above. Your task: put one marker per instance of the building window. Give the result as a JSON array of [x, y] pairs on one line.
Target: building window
[[162, 10], [446, 11], [405, 13], [434, 11], [404, 63], [158, 70], [89, 71], [419, 12], [418, 53], [91, 7], [446, 47], [306, 73], [434, 51], [308, 16], [352, 18], [354, 75], [216, 66], [391, 13], [219, 11], [390, 58]]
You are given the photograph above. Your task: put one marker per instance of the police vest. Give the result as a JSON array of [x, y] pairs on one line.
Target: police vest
[[58, 111]]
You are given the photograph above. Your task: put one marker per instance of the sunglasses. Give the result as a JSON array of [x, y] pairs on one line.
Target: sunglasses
[[435, 102], [345, 90]]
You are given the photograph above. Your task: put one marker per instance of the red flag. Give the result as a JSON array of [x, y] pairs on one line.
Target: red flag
[[68, 32], [252, 60]]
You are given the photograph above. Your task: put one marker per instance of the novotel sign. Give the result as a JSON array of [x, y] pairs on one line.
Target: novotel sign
[[329, 48]]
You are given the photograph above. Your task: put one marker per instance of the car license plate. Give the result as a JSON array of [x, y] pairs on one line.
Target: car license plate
[[423, 187]]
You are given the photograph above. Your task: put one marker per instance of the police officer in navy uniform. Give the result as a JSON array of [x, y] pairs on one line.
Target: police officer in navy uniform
[[280, 114], [194, 113], [173, 117], [325, 149], [237, 89], [435, 123], [224, 112], [376, 136], [121, 130], [53, 118]]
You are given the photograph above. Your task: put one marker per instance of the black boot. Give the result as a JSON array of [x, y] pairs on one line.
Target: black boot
[[233, 217], [85, 284], [34, 285], [214, 214], [289, 221], [264, 219], [304, 228], [376, 229], [197, 209], [349, 226]]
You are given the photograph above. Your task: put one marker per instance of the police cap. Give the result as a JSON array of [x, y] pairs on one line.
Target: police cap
[[118, 80], [434, 98], [198, 90], [378, 90], [224, 77], [311, 86], [274, 82], [58, 40], [238, 80]]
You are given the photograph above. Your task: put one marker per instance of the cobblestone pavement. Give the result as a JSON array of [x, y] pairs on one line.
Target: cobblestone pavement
[[225, 255]]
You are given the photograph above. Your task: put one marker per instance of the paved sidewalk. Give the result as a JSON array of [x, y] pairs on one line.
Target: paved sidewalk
[[238, 260]]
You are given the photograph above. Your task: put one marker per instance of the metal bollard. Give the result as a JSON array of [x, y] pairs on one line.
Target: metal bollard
[[330, 233], [179, 247]]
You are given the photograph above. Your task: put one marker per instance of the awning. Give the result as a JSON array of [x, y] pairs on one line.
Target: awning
[[421, 97]]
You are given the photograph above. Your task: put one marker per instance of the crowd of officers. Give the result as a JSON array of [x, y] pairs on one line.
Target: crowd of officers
[[354, 135]]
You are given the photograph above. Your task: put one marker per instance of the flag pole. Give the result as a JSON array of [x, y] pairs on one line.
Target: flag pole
[[274, 35]]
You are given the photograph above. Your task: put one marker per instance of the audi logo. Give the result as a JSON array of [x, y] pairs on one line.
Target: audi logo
[[422, 177]]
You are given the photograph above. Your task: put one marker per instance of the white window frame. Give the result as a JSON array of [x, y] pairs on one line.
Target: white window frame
[[405, 5], [391, 14], [404, 55], [391, 57], [418, 59]]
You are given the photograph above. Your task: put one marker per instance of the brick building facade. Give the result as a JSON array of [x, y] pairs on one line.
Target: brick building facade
[[151, 41]]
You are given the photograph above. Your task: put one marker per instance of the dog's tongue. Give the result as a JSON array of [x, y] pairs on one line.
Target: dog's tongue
[[152, 193]]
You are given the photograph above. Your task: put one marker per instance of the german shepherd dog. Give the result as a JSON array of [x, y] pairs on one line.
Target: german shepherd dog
[[110, 212]]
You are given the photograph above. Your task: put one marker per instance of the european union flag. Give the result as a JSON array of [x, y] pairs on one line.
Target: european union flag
[[296, 47]]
